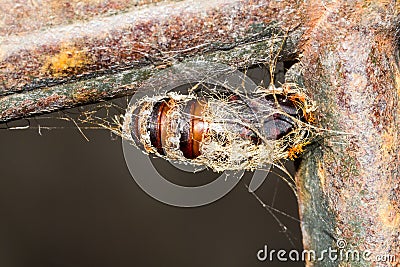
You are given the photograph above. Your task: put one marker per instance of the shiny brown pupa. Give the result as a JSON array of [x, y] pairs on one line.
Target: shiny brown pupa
[[222, 130]]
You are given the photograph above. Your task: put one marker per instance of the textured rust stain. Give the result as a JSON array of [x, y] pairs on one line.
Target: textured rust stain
[[87, 95], [68, 61], [389, 216], [29, 106], [321, 175]]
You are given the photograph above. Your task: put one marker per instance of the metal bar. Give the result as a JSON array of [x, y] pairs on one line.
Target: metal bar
[[57, 63], [349, 184]]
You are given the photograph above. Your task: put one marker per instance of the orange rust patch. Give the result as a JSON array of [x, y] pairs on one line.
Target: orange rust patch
[[310, 117], [389, 216], [389, 139], [321, 175], [85, 95], [397, 79], [297, 97], [300, 100], [397, 83], [294, 152], [68, 61]]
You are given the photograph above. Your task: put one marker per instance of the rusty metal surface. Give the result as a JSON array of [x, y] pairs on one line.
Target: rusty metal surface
[[107, 86], [157, 34], [350, 185], [19, 17], [55, 63]]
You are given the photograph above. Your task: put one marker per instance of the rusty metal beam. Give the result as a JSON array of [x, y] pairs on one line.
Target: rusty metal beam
[[74, 64], [349, 184]]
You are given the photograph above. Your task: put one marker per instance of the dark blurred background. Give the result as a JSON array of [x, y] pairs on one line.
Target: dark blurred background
[[66, 202]]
